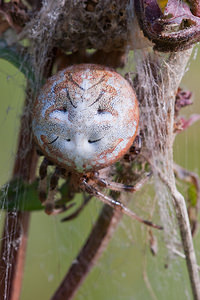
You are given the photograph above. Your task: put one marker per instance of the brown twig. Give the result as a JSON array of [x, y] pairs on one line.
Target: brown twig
[[164, 88], [186, 237], [13, 251], [14, 241], [15, 233], [15, 13], [188, 176], [97, 241], [193, 178], [195, 4]]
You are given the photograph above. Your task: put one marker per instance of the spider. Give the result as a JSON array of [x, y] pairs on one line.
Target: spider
[[84, 120]]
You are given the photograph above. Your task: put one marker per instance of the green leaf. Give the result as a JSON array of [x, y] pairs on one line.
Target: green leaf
[[20, 196], [162, 4], [18, 57], [192, 195]]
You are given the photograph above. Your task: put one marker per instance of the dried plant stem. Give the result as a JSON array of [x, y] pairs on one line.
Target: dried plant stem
[[14, 241], [179, 62], [89, 254], [187, 241], [186, 236], [96, 243], [13, 252], [162, 89], [191, 177]]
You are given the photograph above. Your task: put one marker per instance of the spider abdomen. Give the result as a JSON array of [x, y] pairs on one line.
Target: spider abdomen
[[85, 117]]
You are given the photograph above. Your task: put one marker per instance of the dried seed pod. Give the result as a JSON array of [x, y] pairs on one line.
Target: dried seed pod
[[85, 117]]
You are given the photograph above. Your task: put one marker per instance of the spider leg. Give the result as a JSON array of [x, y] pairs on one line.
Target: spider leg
[[120, 187], [135, 149], [49, 203], [116, 204], [50, 200], [43, 180]]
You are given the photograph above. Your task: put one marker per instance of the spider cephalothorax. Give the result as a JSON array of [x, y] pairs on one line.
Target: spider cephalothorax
[[85, 119]]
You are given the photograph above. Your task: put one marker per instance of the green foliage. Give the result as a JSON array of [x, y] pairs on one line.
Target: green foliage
[[162, 4], [20, 196], [192, 195], [18, 57]]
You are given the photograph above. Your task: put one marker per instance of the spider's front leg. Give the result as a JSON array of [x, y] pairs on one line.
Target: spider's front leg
[[116, 204]]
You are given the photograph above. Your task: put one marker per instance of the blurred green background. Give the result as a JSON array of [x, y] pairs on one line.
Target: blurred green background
[[53, 245]]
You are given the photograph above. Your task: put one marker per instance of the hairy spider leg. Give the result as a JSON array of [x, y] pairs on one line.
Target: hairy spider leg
[[43, 180], [49, 203], [50, 200], [120, 187], [135, 149], [116, 204]]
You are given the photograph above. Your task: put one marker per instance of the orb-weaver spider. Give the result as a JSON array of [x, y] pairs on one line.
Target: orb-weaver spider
[[85, 119]]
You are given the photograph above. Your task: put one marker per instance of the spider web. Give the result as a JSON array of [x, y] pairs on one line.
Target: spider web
[[158, 77], [129, 246]]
